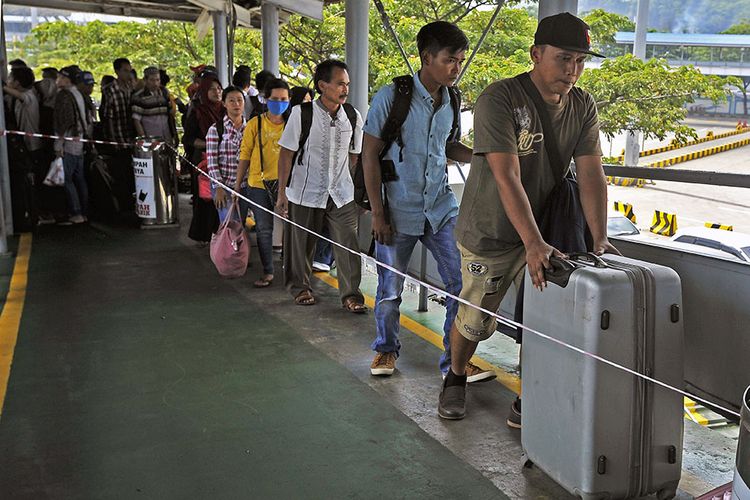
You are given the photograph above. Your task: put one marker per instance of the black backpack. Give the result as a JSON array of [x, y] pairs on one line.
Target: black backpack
[[392, 132], [306, 117], [258, 107]]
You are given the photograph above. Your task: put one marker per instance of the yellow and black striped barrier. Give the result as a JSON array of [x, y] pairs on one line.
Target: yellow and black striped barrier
[[741, 129], [625, 209], [699, 154], [625, 181], [724, 227], [664, 223]]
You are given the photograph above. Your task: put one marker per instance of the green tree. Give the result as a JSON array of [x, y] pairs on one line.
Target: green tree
[[648, 96], [304, 42], [740, 28], [604, 25], [625, 88], [173, 46]]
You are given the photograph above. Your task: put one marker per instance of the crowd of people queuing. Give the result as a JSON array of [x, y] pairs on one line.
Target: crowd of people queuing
[[291, 152]]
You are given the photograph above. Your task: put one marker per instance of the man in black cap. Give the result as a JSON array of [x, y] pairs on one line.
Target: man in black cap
[[70, 122], [511, 178], [85, 85]]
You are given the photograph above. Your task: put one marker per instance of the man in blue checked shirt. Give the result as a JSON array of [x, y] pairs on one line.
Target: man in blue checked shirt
[[421, 205]]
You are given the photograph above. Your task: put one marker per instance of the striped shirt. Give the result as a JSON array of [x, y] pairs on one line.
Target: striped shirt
[[223, 158], [153, 110]]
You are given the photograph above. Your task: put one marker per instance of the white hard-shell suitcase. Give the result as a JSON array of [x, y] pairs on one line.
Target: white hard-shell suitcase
[[600, 432]]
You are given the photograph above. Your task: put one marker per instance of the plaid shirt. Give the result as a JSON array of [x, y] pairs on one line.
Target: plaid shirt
[[223, 158], [116, 109]]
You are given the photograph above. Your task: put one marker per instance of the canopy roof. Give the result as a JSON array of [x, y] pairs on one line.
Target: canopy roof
[[687, 39], [248, 11]]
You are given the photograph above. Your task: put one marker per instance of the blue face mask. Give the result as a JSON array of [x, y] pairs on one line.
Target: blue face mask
[[277, 107]]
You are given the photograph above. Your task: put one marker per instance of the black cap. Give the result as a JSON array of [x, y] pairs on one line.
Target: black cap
[[71, 72], [564, 31], [87, 78], [209, 70]]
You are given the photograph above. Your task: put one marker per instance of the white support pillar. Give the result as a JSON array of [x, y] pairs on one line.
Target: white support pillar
[[6, 211], [357, 52], [34, 17], [632, 146], [551, 7], [641, 29], [221, 59], [269, 26]]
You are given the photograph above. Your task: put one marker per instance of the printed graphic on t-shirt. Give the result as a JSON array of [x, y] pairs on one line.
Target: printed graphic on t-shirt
[[526, 138]]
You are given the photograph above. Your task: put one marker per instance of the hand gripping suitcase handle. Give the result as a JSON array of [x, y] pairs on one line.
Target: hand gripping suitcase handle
[[590, 258], [560, 271]]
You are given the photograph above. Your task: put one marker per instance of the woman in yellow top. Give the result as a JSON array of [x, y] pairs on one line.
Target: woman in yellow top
[[260, 152]]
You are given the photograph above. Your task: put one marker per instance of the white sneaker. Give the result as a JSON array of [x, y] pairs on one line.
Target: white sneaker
[[45, 219], [475, 374], [320, 267]]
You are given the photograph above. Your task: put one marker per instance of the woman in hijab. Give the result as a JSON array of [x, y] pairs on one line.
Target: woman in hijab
[[205, 110]]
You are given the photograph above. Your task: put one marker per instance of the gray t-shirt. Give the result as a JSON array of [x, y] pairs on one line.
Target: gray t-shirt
[[505, 121]]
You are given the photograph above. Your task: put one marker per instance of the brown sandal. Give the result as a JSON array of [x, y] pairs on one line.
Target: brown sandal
[[304, 298], [354, 306], [263, 282]]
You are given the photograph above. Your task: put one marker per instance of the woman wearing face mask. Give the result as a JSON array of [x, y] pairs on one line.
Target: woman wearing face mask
[[260, 152]]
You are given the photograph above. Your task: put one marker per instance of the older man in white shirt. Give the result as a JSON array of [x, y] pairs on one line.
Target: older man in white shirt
[[321, 190]]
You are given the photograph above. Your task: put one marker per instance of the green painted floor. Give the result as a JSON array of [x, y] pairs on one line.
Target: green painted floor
[[139, 374]]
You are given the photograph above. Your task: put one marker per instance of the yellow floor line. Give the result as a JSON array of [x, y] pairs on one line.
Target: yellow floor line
[[10, 318], [690, 409], [509, 380]]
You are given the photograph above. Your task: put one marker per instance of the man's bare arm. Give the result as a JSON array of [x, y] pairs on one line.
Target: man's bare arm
[[285, 168], [371, 148], [593, 187]]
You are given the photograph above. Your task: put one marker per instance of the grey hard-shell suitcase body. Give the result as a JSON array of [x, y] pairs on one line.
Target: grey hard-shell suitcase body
[[600, 432]]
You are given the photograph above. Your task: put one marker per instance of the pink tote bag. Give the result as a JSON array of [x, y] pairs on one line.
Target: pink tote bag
[[230, 248]]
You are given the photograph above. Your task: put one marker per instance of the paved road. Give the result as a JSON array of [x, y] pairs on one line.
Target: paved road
[[701, 126], [692, 149], [695, 204]]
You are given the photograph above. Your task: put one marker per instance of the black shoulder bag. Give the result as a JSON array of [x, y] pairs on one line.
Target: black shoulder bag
[[563, 223]]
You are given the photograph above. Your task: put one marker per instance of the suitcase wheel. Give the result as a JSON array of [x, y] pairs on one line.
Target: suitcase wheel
[[666, 494], [526, 462]]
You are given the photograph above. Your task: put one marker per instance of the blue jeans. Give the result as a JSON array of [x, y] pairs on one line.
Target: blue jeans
[[442, 246], [241, 204], [263, 226], [76, 189]]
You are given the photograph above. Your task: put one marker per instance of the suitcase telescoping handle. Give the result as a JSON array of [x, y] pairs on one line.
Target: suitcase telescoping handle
[[589, 258]]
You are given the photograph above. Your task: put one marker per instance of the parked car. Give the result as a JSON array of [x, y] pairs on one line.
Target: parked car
[[619, 225], [729, 243]]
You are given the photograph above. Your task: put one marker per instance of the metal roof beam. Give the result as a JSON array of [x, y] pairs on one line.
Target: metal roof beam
[[308, 8], [244, 16], [155, 11]]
